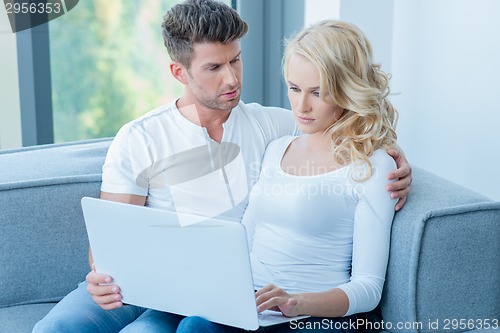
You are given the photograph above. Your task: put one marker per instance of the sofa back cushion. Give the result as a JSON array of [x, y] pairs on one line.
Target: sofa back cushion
[[43, 241]]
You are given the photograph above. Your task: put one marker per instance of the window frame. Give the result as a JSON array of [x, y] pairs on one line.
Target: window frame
[[270, 22], [35, 88]]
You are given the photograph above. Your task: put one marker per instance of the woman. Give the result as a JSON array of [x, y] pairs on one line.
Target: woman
[[319, 218]]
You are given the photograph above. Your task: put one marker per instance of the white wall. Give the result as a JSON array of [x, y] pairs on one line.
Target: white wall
[[444, 56], [317, 10], [375, 20], [446, 65]]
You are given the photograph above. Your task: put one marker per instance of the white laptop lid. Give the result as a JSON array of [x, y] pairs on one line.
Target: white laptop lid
[[199, 270]]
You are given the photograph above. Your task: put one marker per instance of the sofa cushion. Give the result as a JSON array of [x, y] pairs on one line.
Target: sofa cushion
[[22, 318], [43, 242]]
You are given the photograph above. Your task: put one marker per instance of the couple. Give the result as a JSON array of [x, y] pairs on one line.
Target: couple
[[320, 247]]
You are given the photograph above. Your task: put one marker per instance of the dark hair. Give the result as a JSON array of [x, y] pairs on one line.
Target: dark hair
[[198, 21]]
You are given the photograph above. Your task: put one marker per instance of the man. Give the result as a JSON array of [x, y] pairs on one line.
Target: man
[[200, 154]]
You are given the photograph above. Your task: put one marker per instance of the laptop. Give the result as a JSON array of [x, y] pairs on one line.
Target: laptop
[[201, 269]]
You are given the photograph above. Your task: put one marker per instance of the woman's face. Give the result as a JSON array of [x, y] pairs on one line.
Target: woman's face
[[312, 114]]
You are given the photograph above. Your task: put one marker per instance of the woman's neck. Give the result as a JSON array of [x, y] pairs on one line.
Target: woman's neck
[[316, 142]]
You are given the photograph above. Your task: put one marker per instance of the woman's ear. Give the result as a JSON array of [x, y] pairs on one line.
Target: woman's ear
[[342, 113], [178, 71]]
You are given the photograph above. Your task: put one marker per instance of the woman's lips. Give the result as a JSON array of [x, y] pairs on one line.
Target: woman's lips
[[305, 120]]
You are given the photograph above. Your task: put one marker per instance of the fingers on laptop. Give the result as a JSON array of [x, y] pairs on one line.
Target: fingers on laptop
[[270, 297]]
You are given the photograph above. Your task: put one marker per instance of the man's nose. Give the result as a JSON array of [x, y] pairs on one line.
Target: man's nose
[[230, 77]]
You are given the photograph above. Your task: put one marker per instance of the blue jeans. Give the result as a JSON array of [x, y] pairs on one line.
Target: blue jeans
[[77, 312], [309, 325]]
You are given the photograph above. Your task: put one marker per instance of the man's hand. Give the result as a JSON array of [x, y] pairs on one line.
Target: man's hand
[[106, 295], [400, 188]]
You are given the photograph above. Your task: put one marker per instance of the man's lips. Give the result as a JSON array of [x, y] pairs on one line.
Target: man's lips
[[231, 94]]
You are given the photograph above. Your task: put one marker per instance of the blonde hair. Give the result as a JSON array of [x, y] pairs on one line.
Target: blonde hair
[[343, 56]]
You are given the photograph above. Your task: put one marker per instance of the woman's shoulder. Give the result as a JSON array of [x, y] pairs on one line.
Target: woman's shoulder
[[276, 148], [381, 164], [381, 158], [280, 143]]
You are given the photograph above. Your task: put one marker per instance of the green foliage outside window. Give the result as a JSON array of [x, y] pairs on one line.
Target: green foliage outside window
[[108, 66]]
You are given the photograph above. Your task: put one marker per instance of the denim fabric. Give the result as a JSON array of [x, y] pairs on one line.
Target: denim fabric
[[309, 325], [77, 312]]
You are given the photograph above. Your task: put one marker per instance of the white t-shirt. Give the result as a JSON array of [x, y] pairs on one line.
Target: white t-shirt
[[179, 167], [315, 233]]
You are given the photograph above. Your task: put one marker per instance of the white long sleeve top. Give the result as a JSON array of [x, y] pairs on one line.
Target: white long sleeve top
[[315, 233]]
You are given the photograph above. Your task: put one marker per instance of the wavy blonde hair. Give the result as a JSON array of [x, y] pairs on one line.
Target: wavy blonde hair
[[343, 56]]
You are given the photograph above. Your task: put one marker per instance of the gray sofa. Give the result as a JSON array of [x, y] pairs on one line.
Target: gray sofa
[[444, 268]]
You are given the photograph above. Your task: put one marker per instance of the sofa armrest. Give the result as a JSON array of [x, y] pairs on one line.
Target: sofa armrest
[[444, 258], [43, 240]]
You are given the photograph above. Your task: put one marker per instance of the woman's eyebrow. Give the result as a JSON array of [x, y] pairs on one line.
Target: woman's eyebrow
[[293, 84]]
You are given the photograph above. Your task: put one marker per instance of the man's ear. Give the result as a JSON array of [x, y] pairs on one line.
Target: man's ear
[[179, 72]]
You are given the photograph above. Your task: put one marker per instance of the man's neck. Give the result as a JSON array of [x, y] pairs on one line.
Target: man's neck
[[203, 116]]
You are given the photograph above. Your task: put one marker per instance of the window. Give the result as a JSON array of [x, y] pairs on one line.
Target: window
[[108, 66]]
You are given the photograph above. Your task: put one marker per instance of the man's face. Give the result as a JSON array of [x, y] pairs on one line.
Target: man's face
[[215, 75]]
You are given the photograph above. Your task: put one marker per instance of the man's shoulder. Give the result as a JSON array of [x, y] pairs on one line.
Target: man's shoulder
[[258, 110], [150, 119], [156, 114], [273, 122]]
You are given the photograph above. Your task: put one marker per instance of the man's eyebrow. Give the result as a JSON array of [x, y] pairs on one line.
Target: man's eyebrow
[[211, 64], [238, 55]]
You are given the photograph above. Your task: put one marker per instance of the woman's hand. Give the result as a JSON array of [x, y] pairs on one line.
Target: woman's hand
[[273, 298], [106, 295]]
